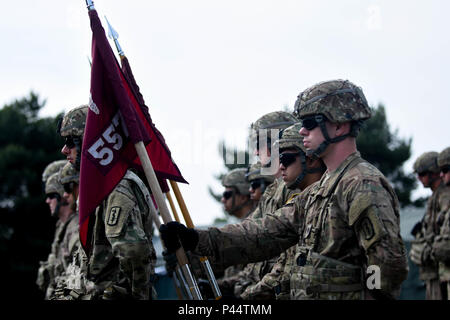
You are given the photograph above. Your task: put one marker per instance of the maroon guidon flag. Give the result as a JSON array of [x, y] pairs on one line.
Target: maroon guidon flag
[[154, 132], [115, 122]]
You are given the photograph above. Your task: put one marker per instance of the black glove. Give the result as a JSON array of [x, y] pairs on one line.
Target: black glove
[[171, 262], [174, 232]]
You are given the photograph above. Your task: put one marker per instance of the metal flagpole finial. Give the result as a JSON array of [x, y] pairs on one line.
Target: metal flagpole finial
[[112, 34], [90, 5]]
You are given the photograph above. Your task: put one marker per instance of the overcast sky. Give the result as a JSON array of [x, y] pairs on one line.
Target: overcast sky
[[208, 69]]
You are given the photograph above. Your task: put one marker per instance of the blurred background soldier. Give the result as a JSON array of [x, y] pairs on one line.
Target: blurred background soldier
[[53, 167], [441, 244], [297, 171], [273, 122], [257, 181], [270, 125], [236, 201], [74, 284], [121, 263], [66, 232], [236, 197], [427, 169]]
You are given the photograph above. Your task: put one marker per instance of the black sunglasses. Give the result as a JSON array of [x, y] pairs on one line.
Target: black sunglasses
[[68, 187], [309, 123], [423, 173], [227, 194], [445, 169], [255, 184], [53, 195], [288, 158], [69, 142]]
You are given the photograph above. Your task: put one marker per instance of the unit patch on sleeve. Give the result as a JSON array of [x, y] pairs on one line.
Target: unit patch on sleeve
[[113, 216]]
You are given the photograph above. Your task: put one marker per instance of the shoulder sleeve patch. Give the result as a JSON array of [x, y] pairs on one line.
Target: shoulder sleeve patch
[[370, 228], [357, 207], [117, 211], [113, 216]]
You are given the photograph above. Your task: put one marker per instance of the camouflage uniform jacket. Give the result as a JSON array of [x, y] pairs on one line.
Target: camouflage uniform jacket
[[230, 275], [65, 244], [237, 278], [258, 290], [430, 229], [344, 223], [121, 264], [441, 244]]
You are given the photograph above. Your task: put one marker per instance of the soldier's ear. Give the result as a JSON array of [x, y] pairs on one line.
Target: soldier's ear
[[342, 128]]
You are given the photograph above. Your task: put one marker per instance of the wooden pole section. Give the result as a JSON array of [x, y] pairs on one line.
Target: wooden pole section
[[176, 275], [172, 206], [165, 215], [204, 260]]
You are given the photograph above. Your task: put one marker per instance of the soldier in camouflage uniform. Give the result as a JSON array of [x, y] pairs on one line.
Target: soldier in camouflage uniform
[[66, 233], [66, 289], [427, 169], [122, 258], [298, 171], [237, 202], [262, 131], [50, 169], [270, 126], [236, 197], [441, 245], [343, 224], [267, 125], [257, 181]]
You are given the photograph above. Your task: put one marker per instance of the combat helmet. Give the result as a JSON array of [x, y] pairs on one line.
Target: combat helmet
[[444, 158], [274, 120], [337, 101], [69, 174], [52, 185], [72, 129], [254, 173], [277, 120], [236, 179], [74, 121], [427, 162], [51, 168], [292, 139]]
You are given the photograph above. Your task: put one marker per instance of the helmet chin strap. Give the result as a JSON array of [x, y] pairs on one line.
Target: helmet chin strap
[[78, 144], [234, 209], [320, 119], [305, 170], [55, 212]]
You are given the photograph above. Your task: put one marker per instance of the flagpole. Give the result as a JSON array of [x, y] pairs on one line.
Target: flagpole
[[172, 206], [178, 278], [164, 211], [204, 260], [165, 215]]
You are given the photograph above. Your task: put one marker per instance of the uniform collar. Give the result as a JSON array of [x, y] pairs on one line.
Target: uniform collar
[[326, 183]]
